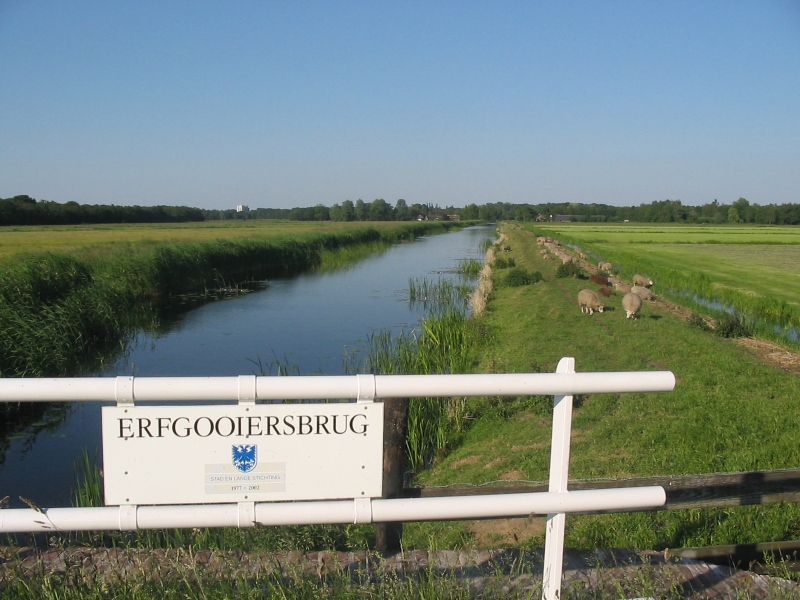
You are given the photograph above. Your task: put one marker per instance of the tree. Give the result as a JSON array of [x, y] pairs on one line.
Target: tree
[[348, 211], [524, 213], [380, 210], [321, 213], [362, 210], [401, 212], [470, 212], [733, 215]]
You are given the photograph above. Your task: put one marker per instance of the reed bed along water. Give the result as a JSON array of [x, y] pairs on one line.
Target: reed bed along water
[[442, 344], [59, 310], [433, 294], [469, 266]]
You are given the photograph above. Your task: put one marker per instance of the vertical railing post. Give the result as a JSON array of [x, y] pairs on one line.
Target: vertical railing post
[[395, 429], [559, 476]]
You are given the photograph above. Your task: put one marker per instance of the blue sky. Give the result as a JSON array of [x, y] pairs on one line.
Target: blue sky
[[282, 104]]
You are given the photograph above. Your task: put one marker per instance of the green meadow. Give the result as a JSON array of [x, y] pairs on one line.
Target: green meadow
[[98, 240], [728, 412], [750, 269]]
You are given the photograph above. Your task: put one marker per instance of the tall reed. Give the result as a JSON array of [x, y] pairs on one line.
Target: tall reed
[[442, 344], [469, 266]]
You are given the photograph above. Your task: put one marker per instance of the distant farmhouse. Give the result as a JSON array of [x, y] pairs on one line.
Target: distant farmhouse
[[242, 208]]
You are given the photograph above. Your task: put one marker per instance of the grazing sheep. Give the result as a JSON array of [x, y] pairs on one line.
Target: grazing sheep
[[506, 248], [642, 280], [605, 291], [622, 288], [582, 256], [599, 279], [614, 280], [604, 266], [631, 303], [589, 302], [541, 240], [547, 257], [642, 292]]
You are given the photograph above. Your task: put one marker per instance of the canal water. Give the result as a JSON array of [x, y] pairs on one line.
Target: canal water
[[315, 323]]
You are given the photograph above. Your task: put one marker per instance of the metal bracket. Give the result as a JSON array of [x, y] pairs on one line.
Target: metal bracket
[[362, 512], [247, 390], [127, 516], [366, 388], [123, 391], [247, 514]]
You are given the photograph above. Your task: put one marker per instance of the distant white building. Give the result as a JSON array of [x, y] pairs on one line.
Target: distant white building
[[242, 208]]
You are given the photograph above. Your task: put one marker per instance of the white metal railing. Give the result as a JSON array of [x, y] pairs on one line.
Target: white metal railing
[[555, 503]]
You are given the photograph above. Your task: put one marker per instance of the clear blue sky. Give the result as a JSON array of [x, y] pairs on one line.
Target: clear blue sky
[[282, 104]]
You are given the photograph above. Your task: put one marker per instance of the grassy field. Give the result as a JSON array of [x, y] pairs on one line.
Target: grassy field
[[727, 413], [752, 269], [105, 239], [671, 233]]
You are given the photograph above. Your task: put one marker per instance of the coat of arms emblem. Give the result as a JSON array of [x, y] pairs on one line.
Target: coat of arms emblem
[[244, 457]]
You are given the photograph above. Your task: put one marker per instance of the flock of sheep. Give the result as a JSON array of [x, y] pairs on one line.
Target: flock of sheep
[[589, 300]]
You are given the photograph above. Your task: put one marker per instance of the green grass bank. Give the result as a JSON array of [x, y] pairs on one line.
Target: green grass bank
[[728, 412], [748, 269], [57, 309]]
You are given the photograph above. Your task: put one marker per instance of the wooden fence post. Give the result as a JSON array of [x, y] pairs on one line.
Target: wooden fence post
[[395, 428]]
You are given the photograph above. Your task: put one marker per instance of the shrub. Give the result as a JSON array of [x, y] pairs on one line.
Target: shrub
[[570, 269], [504, 263], [698, 322], [518, 276], [734, 326]]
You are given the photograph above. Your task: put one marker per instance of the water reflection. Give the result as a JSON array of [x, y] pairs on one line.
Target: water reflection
[[307, 324], [788, 332]]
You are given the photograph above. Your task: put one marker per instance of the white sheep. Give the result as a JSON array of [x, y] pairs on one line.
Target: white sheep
[[642, 292], [589, 302], [631, 303], [621, 287], [642, 280]]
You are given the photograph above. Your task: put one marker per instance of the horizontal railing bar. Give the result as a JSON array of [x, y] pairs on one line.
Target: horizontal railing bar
[[361, 510], [683, 491], [111, 389]]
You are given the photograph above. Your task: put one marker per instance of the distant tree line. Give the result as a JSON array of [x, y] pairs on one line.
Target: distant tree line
[[377, 210], [24, 210]]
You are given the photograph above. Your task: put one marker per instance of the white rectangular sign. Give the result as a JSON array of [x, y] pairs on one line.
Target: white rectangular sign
[[235, 453]]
